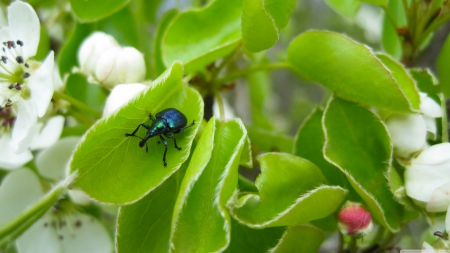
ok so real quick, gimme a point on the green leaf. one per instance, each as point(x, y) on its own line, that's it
point(245, 239)
point(246, 156)
point(280, 11)
point(443, 61)
point(390, 40)
point(218, 34)
point(426, 83)
point(358, 143)
point(258, 28)
point(302, 237)
point(112, 168)
point(68, 55)
point(160, 30)
point(200, 221)
point(145, 225)
point(376, 2)
point(291, 191)
point(403, 79)
point(269, 140)
point(91, 11)
point(347, 8)
point(309, 143)
point(262, 20)
point(348, 68)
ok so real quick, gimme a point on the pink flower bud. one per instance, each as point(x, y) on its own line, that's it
point(354, 220)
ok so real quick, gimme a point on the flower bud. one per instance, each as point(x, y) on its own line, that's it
point(408, 133)
point(120, 65)
point(92, 48)
point(354, 220)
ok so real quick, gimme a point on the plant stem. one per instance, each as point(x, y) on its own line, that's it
point(390, 16)
point(220, 104)
point(245, 184)
point(248, 71)
point(24, 220)
point(225, 62)
point(352, 246)
point(77, 103)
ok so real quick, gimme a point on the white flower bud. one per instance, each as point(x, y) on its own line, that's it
point(120, 95)
point(120, 65)
point(427, 173)
point(430, 110)
point(92, 48)
point(408, 133)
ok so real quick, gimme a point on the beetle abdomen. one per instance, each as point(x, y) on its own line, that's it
point(174, 118)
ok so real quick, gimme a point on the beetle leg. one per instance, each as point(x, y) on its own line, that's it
point(152, 117)
point(165, 151)
point(193, 123)
point(137, 128)
point(174, 140)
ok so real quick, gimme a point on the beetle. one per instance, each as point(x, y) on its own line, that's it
point(165, 123)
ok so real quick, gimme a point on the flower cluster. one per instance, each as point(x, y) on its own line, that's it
point(107, 63)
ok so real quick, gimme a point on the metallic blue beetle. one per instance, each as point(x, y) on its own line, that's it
point(166, 122)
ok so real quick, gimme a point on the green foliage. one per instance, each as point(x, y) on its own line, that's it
point(328, 60)
point(365, 158)
point(347, 8)
point(91, 11)
point(288, 200)
point(196, 48)
point(125, 173)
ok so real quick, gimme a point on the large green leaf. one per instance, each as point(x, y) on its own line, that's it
point(217, 33)
point(200, 221)
point(347, 8)
point(269, 140)
point(350, 69)
point(302, 238)
point(260, 90)
point(91, 11)
point(258, 28)
point(358, 143)
point(376, 2)
point(112, 168)
point(145, 225)
point(291, 191)
point(262, 20)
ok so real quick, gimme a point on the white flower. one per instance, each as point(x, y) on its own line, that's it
point(409, 131)
point(62, 229)
point(121, 95)
point(26, 87)
point(92, 48)
point(109, 64)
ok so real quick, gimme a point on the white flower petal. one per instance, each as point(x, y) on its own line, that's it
point(430, 170)
point(25, 126)
point(121, 95)
point(408, 133)
point(24, 25)
point(39, 238)
point(52, 162)
point(89, 236)
point(49, 134)
point(440, 199)
point(429, 107)
point(79, 197)
point(92, 48)
point(131, 66)
point(105, 71)
point(19, 189)
point(427, 247)
point(430, 123)
point(41, 85)
point(10, 160)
